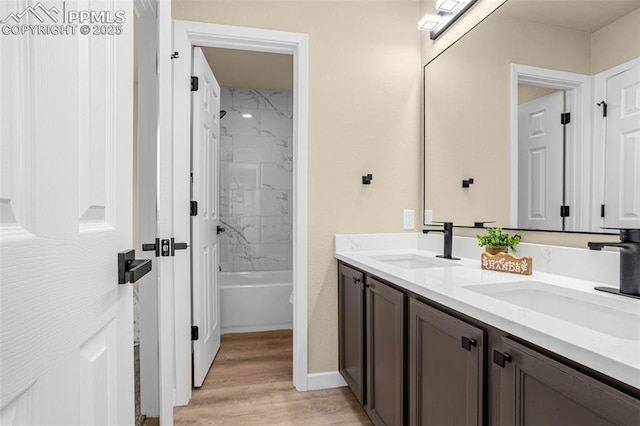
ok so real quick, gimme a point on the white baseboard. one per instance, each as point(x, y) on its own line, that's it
point(332, 379)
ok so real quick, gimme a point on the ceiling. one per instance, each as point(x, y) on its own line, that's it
point(581, 15)
point(251, 70)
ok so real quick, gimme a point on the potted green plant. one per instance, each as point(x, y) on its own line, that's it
point(497, 242)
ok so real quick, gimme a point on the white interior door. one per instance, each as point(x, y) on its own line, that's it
point(540, 162)
point(622, 151)
point(66, 325)
point(204, 239)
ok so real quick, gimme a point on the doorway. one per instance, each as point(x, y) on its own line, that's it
point(255, 175)
point(188, 35)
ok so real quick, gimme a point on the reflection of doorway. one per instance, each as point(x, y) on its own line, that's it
point(541, 142)
point(577, 89)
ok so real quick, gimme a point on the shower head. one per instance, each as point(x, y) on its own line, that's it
point(222, 113)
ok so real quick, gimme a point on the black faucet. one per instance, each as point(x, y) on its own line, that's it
point(629, 262)
point(447, 231)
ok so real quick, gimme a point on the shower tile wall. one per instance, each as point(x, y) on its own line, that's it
point(256, 180)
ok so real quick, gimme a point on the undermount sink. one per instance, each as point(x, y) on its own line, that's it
point(615, 317)
point(414, 261)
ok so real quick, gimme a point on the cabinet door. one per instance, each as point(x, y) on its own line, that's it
point(385, 353)
point(446, 358)
point(536, 390)
point(351, 328)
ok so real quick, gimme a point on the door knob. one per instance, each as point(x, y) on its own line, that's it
point(177, 246)
point(152, 247)
point(131, 269)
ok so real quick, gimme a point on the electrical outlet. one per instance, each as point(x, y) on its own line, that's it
point(408, 219)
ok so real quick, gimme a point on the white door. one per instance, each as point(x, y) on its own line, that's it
point(66, 325)
point(204, 239)
point(622, 151)
point(540, 162)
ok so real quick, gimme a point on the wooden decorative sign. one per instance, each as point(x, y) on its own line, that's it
point(507, 262)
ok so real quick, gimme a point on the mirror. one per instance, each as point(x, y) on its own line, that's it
point(507, 81)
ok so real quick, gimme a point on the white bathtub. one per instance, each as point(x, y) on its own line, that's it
point(255, 301)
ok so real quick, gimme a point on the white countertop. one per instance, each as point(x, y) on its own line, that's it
point(616, 357)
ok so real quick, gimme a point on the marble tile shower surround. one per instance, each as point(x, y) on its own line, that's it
point(256, 176)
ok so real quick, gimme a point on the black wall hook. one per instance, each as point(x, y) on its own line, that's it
point(467, 182)
point(603, 104)
point(366, 180)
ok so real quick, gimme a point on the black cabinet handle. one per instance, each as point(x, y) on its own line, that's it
point(500, 359)
point(467, 343)
point(356, 280)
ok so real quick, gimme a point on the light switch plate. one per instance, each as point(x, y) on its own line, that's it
point(428, 216)
point(408, 219)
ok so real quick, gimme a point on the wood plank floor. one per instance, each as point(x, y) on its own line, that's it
point(250, 383)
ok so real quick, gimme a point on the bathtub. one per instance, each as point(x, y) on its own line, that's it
point(255, 301)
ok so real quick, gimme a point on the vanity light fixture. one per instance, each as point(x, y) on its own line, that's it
point(447, 5)
point(429, 22)
point(448, 12)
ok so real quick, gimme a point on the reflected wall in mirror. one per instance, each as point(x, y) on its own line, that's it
point(542, 59)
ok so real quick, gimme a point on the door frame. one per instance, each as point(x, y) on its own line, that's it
point(599, 136)
point(146, 195)
point(578, 89)
point(188, 34)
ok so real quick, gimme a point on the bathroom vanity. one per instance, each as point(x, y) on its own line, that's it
point(430, 341)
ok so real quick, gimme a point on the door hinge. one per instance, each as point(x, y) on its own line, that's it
point(603, 104)
point(194, 84)
point(601, 210)
point(194, 332)
point(565, 118)
point(564, 211)
point(194, 208)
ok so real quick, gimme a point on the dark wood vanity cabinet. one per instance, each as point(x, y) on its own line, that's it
point(536, 390)
point(385, 353)
point(351, 329)
point(414, 361)
point(446, 368)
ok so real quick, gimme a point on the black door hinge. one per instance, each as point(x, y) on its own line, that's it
point(564, 211)
point(194, 208)
point(194, 332)
point(565, 118)
point(601, 210)
point(603, 104)
point(194, 84)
